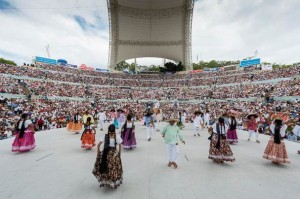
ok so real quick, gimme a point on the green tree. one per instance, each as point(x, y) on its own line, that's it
point(122, 66)
point(5, 61)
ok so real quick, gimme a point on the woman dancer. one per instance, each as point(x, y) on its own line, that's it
point(75, 124)
point(128, 134)
point(108, 166)
point(275, 150)
point(24, 140)
point(88, 140)
point(220, 150)
point(231, 133)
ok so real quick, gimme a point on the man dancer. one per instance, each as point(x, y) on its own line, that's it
point(206, 118)
point(172, 134)
point(149, 121)
point(252, 126)
point(198, 121)
point(101, 117)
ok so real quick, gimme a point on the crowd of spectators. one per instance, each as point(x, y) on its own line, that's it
point(60, 73)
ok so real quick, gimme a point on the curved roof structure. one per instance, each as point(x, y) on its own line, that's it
point(150, 28)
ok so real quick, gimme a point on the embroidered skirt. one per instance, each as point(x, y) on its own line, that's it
point(88, 139)
point(232, 136)
point(128, 137)
point(74, 127)
point(276, 152)
point(224, 153)
point(26, 143)
point(114, 176)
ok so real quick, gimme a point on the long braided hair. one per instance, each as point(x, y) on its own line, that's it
point(277, 136)
point(22, 130)
point(103, 165)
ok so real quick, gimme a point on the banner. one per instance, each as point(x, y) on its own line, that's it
point(266, 67)
point(250, 62)
point(45, 60)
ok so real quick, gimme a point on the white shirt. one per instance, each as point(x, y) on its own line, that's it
point(206, 117)
point(197, 121)
point(112, 140)
point(296, 130)
point(27, 123)
point(282, 129)
point(101, 116)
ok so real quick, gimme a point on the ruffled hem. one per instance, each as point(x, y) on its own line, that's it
point(233, 140)
point(22, 148)
point(276, 159)
point(129, 147)
point(87, 146)
point(221, 157)
point(110, 183)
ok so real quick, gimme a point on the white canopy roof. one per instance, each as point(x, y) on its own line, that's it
point(150, 28)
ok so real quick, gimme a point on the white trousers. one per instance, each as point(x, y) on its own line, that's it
point(251, 132)
point(197, 129)
point(121, 125)
point(101, 124)
point(149, 131)
point(172, 152)
point(158, 125)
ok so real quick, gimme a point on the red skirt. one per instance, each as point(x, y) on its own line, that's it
point(88, 139)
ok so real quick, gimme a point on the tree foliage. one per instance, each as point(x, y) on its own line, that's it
point(5, 61)
point(213, 64)
point(172, 67)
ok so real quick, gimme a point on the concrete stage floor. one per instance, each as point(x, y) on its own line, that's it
point(58, 168)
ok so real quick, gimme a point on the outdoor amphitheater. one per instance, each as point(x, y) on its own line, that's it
point(178, 129)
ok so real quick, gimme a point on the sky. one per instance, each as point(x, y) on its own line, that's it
point(78, 30)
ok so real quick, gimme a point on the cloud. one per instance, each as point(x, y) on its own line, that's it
point(78, 30)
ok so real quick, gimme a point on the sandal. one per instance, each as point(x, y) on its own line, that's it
point(175, 165)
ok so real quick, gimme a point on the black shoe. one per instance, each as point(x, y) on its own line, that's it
point(198, 134)
point(149, 139)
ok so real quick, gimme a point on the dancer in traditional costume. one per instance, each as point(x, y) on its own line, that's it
point(85, 116)
point(128, 134)
point(296, 131)
point(108, 166)
point(172, 134)
point(275, 150)
point(24, 140)
point(88, 138)
point(121, 118)
point(158, 116)
point(220, 150)
point(206, 118)
point(75, 124)
point(180, 123)
point(101, 117)
point(198, 121)
point(231, 133)
point(252, 126)
point(149, 121)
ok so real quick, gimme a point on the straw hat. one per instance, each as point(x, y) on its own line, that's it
point(252, 114)
point(172, 120)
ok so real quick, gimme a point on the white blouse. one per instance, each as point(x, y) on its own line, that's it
point(27, 123)
point(129, 125)
point(282, 129)
point(222, 131)
point(112, 140)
